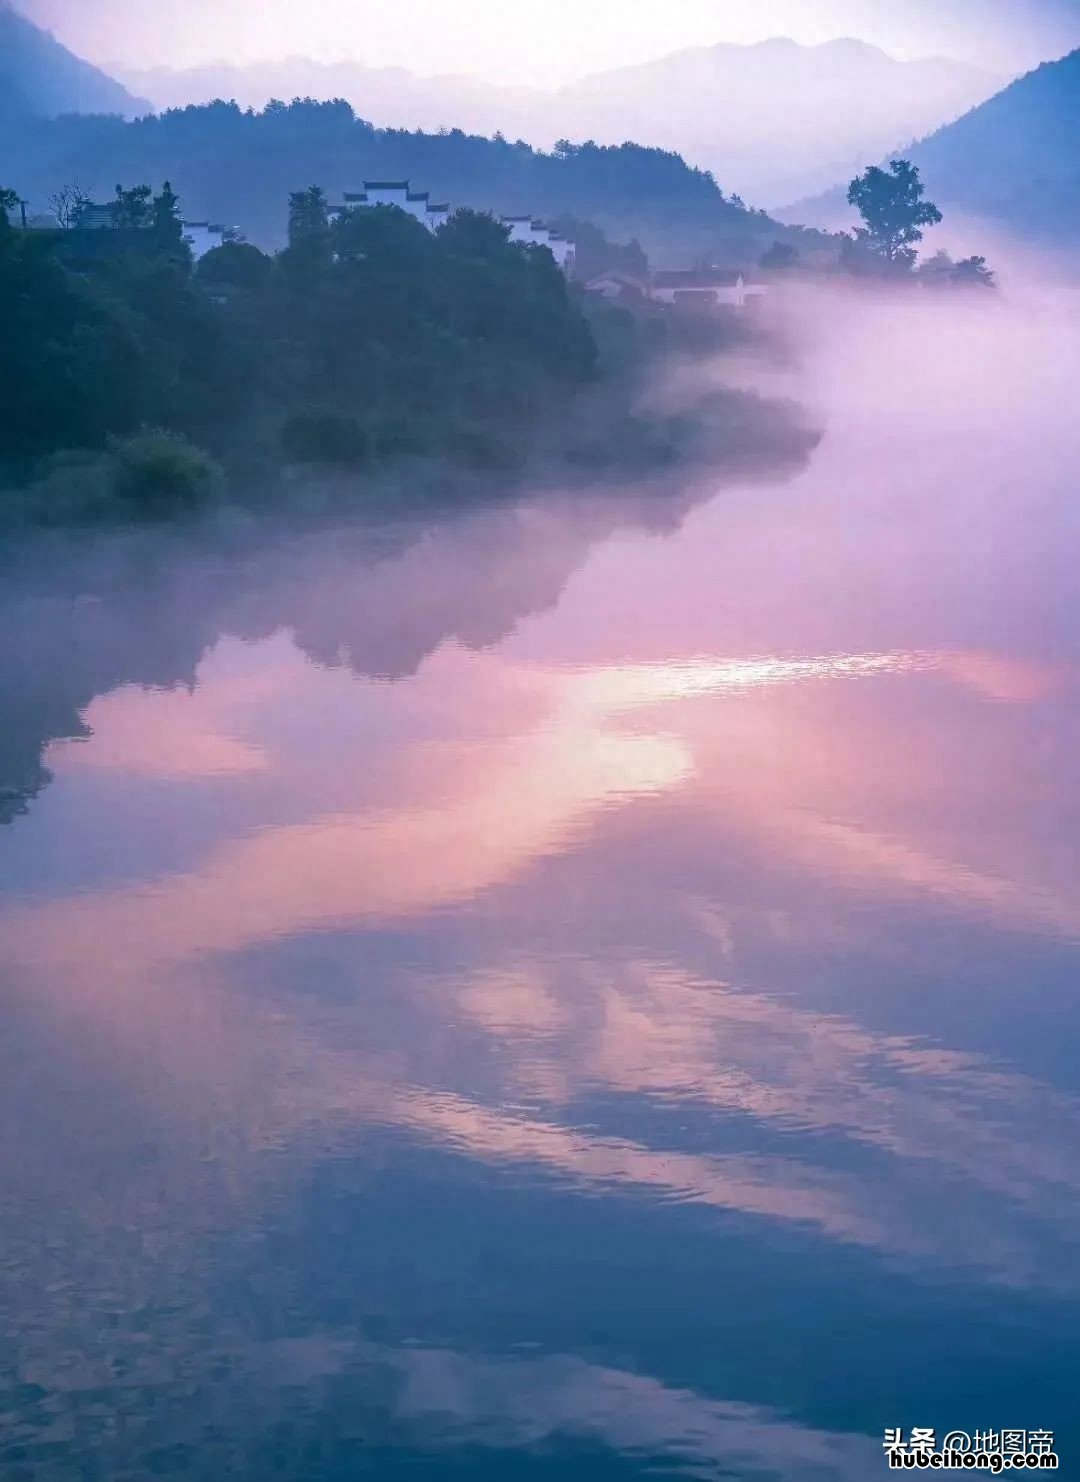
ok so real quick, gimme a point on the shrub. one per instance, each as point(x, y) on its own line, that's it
point(158, 472)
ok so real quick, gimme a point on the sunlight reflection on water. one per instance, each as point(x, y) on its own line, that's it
point(511, 1005)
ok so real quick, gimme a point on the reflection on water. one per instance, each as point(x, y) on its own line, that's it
point(542, 993)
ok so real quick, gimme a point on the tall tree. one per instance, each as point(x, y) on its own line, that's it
point(68, 203)
point(894, 211)
point(309, 220)
point(167, 224)
point(132, 208)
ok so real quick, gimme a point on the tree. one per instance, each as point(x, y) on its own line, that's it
point(972, 272)
point(9, 201)
point(132, 208)
point(234, 267)
point(68, 203)
point(309, 218)
point(940, 271)
point(167, 224)
point(894, 211)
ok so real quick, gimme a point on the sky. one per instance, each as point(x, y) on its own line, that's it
point(543, 42)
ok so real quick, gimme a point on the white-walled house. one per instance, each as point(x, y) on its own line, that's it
point(433, 214)
point(202, 237)
point(706, 287)
point(417, 204)
point(528, 231)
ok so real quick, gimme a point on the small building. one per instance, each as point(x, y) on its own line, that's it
point(94, 217)
point(615, 286)
point(527, 231)
point(203, 236)
point(434, 214)
point(416, 204)
point(704, 288)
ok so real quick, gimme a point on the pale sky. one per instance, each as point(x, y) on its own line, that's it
point(542, 41)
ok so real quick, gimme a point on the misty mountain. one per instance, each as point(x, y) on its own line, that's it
point(39, 77)
point(239, 167)
point(771, 121)
point(1014, 161)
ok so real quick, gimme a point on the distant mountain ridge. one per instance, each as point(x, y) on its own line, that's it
point(1014, 161)
point(239, 167)
point(771, 121)
point(40, 78)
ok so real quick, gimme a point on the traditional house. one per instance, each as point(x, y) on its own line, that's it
point(705, 288)
point(202, 237)
point(615, 285)
point(416, 204)
point(93, 217)
point(533, 233)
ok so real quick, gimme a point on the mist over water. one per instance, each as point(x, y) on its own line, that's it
point(580, 987)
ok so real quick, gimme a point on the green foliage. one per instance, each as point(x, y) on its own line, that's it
point(940, 271)
point(309, 228)
point(234, 268)
point(367, 338)
point(157, 473)
point(239, 165)
point(892, 205)
point(166, 221)
point(972, 272)
point(133, 208)
point(149, 476)
point(74, 367)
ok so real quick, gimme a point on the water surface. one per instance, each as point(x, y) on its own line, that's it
point(579, 989)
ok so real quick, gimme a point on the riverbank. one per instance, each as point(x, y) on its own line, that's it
point(368, 354)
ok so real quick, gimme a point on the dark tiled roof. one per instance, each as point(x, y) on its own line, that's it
point(418, 195)
point(355, 198)
point(442, 206)
point(92, 216)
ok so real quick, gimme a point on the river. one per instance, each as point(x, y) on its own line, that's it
point(582, 988)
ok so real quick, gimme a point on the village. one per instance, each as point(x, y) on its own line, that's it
point(702, 287)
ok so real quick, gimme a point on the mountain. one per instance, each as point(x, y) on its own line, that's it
point(771, 121)
point(39, 77)
point(1013, 162)
point(391, 96)
point(772, 118)
point(1016, 159)
point(239, 167)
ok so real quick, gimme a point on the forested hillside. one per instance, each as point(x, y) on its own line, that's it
point(238, 167)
